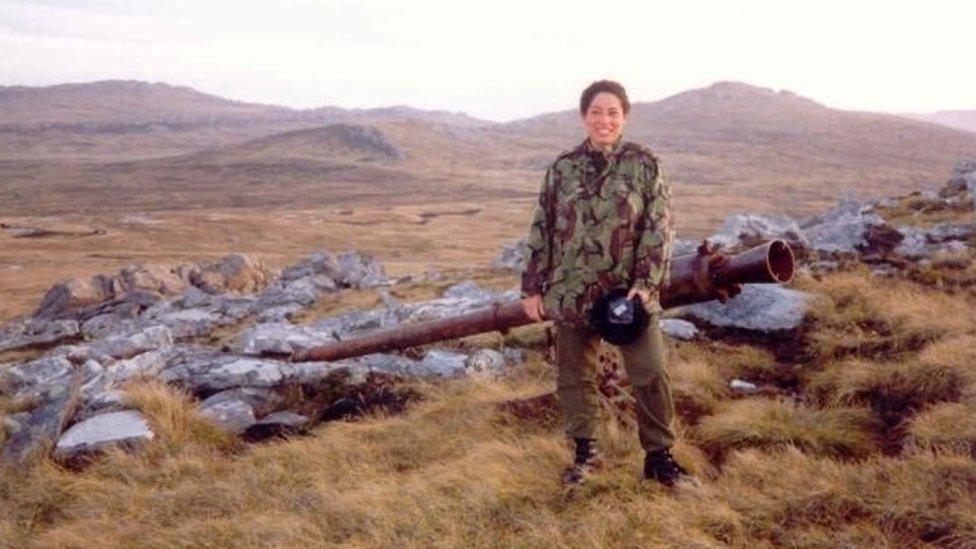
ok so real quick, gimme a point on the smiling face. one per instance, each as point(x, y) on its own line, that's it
point(604, 120)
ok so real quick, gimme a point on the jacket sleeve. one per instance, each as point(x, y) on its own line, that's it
point(652, 253)
point(538, 248)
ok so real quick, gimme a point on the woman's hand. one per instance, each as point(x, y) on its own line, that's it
point(645, 296)
point(532, 306)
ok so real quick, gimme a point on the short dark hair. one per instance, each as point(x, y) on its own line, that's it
point(601, 86)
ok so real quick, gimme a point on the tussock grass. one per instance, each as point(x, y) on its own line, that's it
point(697, 388)
point(942, 371)
point(863, 316)
point(790, 498)
point(738, 361)
point(174, 418)
point(950, 426)
point(763, 423)
point(454, 471)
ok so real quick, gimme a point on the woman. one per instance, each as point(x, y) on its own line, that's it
point(603, 222)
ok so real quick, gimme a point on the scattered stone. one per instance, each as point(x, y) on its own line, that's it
point(238, 372)
point(282, 338)
point(147, 364)
point(359, 271)
point(683, 246)
point(678, 329)
point(36, 375)
point(68, 295)
point(29, 333)
point(485, 363)
point(744, 231)
point(743, 386)
point(511, 257)
point(444, 363)
point(258, 398)
point(46, 421)
point(278, 424)
point(230, 414)
point(130, 345)
point(236, 273)
point(760, 307)
point(101, 402)
point(850, 229)
point(126, 428)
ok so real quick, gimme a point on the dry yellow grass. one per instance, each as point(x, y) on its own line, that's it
point(950, 426)
point(864, 316)
point(454, 471)
point(697, 387)
point(839, 432)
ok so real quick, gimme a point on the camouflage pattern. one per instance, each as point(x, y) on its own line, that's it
point(603, 221)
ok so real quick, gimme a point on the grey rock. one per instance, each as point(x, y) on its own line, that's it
point(513, 356)
point(748, 230)
point(107, 324)
point(277, 424)
point(35, 374)
point(280, 313)
point(445, 364)
point(849, 229)
point(360, 270)
point(130, 345)
point(683, 246)
point(46, 421)
point(511, 257)
point(485, 363)
point(194, 298)
point(124, 428)
point(190, 322)
point(284, 417)
point(101, 402)
point(37, 332)
point(318, 263)
point(232, 415)
point(281, 338)
point(256, 397)
point(14, 423)
point(147, 364)
point(918, 243)
point(743, 386)
point(678, 329)
point(232, 308)
point(237, 372)
point(303, 292)
point(344, 325)
point(311, 372)
point(459, 299)
point(760, 307)
point(383, 363)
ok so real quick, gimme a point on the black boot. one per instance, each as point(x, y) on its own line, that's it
point(662, 467)
point(586, 460)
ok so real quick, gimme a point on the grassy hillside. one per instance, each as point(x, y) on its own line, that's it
point(862, 436)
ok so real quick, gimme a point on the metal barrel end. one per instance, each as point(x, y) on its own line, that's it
point(780, 261)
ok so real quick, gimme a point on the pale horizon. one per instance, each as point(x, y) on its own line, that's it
point(504, 62)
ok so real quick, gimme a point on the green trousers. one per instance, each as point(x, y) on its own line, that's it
point(577, 361)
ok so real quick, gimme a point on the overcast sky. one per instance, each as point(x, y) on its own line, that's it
point(500, 59)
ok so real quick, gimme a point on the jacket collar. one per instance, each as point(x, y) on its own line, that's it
point(587, 148)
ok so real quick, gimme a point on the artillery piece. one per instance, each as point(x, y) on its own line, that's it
point(703, 276)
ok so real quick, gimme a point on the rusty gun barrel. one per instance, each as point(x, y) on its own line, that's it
point(694, 278)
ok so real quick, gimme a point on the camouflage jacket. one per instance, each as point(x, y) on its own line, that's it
point(603, 221)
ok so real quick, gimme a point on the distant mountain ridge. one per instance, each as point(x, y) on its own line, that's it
point(961, 120)
point(728, 145)
point(119, 104)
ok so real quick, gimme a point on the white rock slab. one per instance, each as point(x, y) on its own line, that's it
point(127, 427)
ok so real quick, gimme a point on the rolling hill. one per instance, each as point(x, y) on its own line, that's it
point(728, 147)
point(960, 120)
